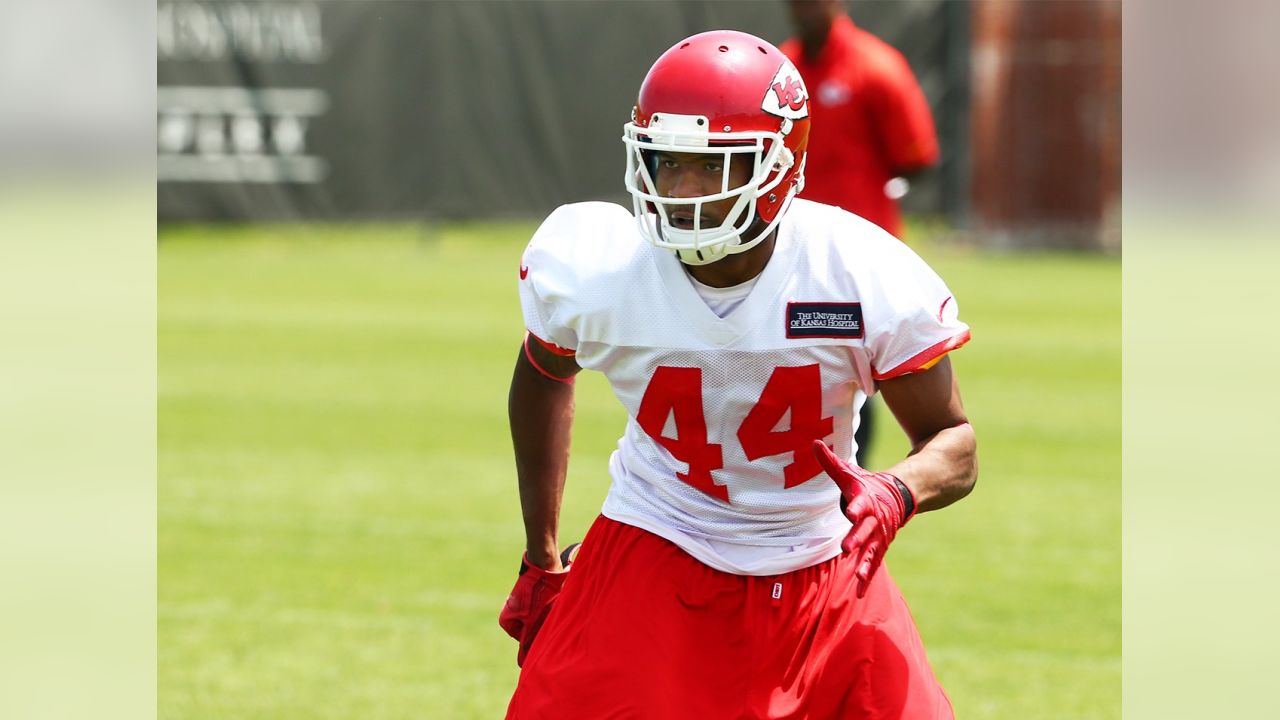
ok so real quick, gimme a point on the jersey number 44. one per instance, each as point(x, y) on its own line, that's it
point(678, 391)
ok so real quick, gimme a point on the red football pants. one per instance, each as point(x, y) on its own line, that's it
point(643, 631)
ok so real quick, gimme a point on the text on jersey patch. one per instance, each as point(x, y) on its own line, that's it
point(824, 320)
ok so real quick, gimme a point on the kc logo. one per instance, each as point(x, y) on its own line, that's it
point(792, 95)
point(786, 96)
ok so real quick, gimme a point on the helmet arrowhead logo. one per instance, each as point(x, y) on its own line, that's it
point(792, 95)
point(786, 96)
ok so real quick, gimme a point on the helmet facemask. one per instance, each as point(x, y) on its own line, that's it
point(668, 132)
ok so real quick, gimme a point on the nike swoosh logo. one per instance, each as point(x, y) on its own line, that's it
point(524, 272)
point(940, 307)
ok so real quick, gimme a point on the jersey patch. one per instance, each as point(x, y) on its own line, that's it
point(824, 320)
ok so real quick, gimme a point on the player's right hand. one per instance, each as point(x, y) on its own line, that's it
point(530, 601)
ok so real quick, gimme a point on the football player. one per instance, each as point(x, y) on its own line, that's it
point(736, 567)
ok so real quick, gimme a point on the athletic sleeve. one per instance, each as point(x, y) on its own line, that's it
point(913, 318)
point(547, 283)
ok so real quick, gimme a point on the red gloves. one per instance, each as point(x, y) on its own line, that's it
point(876, 503)
point(530, 601)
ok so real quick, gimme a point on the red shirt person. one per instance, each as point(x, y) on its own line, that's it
point(871, 122)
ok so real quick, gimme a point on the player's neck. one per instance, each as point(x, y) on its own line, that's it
point(812, 48)
point(735, 269)
point(812, 44)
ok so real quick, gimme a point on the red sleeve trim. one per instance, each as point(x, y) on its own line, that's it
point(553, 348)
point(924, 356)
point(539, 368)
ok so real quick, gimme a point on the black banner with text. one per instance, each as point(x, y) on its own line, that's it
point(363, 109)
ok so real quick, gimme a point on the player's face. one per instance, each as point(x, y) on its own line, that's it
point(691, 175)
point(812, 18)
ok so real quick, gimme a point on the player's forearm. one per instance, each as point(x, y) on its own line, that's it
point(941, 469)
point(541, 415)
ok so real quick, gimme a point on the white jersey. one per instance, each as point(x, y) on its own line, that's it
point(716, 456)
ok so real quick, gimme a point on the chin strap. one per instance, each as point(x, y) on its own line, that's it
point(706, 256)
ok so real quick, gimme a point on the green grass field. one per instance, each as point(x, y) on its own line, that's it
point(338, 521)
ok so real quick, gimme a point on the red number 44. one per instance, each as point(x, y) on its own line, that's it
point(676, 391)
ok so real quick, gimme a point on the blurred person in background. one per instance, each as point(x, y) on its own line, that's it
point(872, 129)
point(735, 569)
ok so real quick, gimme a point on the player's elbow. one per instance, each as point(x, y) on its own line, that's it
point(968, 461)
point(970, 480)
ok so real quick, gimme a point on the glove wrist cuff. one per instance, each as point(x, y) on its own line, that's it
point(567, 556)
point(908, 498)
point(526, 566)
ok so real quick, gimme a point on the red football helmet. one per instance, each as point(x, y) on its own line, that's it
point(722, 93)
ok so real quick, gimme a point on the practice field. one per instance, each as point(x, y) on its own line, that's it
point(337, 509)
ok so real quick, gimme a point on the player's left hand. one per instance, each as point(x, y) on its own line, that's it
point(875, 506)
